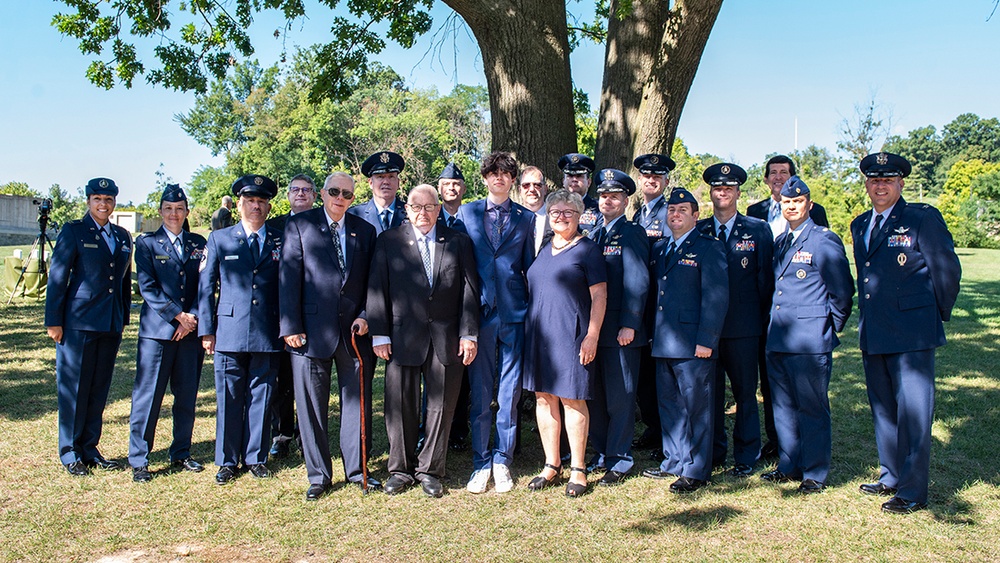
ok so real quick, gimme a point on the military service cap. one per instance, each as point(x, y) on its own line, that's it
point(794, 187)
point(725, 174)
point(612, 181)
point(680, 195)
point(451, 172)
point(172, 193)
point(101, 186)
point(255, 185)
point(382, 162)
point(654, 163)
point(884, 165)
point(575, 163)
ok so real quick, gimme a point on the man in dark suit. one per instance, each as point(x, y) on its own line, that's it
point(223, 217)
point(689, 305)
point(324, 285)
point(423, 313)
point(301, 198)
point(812, 301)
point(502, 233)
point(238, 322)
point(623, 333)
point(652, 217)
point(749, 250)
point(168, 350)
point(576, 169)
point(777, 171)
point(86, 308)
point(385, 209)
point(908, 281)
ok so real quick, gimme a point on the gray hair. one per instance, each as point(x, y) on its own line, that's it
point(565, 196)
point(305, 178)
point(338, 174)
point(426, 188)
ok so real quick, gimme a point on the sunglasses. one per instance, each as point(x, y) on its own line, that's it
point(337, 192)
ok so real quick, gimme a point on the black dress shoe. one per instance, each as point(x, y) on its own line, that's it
point(260, 471)
point(769, 451)
point(314, 492)
point(740, 471)
point(877, 489)
point(77, 469)
point(373, 484)
point(189, 464)
point(225, 475)
point(686, 485)
point(279, 450)
point(394, 485)
point(141, 474)
point(656, 473)
point(775, 476)
point(431, 486)
point(810, 486)
point(612, 478)
point(105, 464)
point(897, 505)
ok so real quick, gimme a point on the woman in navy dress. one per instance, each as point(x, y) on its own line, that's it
point(567, 285)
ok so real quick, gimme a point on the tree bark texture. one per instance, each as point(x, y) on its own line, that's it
point(525, 49)
point(631, 124)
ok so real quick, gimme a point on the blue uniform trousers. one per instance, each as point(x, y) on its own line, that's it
point(85, 361)
point(612, 410)
point(901, 394)
point(497, 366)
point(244, 383)
point(160, 362)
point(738, 360)
point(799, 385)
point(685, 395)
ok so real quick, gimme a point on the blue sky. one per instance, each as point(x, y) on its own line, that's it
point(767, 63)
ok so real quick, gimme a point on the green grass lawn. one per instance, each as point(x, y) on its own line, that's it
point(45, 514)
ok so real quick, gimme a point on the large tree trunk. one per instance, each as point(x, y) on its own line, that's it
point(635, 124)
point(525, 49)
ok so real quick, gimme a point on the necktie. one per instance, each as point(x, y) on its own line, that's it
point(451, 221)
point(338, 249)
point(425, 254)
point(670, 250)
point(603, 237)
point(384, 219)
point(784, 245)
point(179, 247)
point(254, 247)
point(875, 229)
point(108, 239)
point(645, 212)
point(499, 218)
point(774, 212)
point(722, 233)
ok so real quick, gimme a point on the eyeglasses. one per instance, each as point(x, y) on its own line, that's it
point(532, 185)
point(429, 208)
point(335, 192)
point(300, 190)
point(564, 213)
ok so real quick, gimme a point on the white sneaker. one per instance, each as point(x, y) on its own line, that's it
point(479, 481)
point(502, 480)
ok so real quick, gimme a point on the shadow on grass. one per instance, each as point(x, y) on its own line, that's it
point(699, 519)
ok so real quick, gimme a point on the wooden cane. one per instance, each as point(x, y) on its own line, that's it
point(364, 431)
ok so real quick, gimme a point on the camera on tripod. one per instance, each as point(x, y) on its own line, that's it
point(44, 207)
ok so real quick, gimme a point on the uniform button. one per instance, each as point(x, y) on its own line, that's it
point(182, 299)
point(255, 286)
point(255, 272)
point(431, 298)
point(111, 265)
point(111, 290)
point(776, 307)
point(182, 286)
point(429, 320)
point(781, 278)
point(866, 280)
point(868, 296)
point(112, 278)
point(660, 307)
point(182, 274)
point(254, 301)
point(661, 293)
point(867, 264)
point(779, 292)
point(664, 277)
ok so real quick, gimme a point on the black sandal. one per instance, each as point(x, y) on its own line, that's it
point(539, 483)
point(576, 490)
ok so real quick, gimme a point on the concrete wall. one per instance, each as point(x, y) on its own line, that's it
point(18, 215)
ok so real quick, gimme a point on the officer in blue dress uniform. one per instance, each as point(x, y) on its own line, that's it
point(86, 308)
point(623, 333)
point(811, 304)
point(385, 209)
point(238, 322)
point(169, 350)
point(688, 306)
point(652, 217)
point(908, 281)
point(749, 250)
point(576, 169)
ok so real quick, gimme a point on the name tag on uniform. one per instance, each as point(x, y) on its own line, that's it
point(88, 245)
point(612, 251)
point(746, 246)
point(162, 257)
point(801, 257)
point(900, 240)
point(231, 257)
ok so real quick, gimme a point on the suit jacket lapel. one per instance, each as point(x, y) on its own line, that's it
point(439, 245)
point(514, 217)
point(889, 223)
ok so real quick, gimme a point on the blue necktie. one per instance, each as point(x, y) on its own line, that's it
point(254, 247)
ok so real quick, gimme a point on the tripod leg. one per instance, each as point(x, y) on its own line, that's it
point(24, 268)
